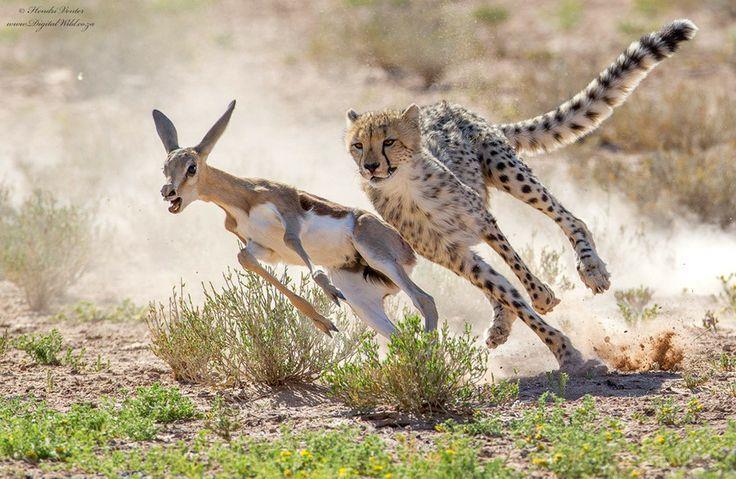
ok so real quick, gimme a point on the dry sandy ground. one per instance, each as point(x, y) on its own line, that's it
point(261, 413)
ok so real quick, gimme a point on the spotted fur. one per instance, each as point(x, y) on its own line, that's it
point(426, 170)
point(588, 109)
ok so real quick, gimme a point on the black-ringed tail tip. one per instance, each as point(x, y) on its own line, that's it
point(585, 111)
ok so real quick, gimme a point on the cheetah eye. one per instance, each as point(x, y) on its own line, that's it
point(388, 142)
point(358, 146)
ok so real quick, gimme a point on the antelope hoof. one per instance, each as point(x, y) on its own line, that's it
point(324, 282)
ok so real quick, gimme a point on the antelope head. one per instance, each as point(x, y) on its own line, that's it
point(184, 168)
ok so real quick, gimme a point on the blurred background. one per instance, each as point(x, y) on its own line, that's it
point(656, 183)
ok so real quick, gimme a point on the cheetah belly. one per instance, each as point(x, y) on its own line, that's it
point(327, 240)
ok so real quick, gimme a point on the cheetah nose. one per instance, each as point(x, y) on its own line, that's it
point(372, 167)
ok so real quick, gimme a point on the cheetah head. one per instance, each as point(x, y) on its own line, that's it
point(381, 142)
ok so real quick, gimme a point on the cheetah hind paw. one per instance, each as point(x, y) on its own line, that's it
point(590, 368)
point(593, 273)
point(497, 335)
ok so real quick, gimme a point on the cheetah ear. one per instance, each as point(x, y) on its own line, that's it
point(350, 116)
point(411, 114)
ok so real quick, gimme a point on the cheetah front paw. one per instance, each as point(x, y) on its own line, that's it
point(593, 273)
point(543, 299)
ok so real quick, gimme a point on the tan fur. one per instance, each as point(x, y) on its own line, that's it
point(279, 223)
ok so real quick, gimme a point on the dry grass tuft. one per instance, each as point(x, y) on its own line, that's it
point(44, 246)
point(247, 332)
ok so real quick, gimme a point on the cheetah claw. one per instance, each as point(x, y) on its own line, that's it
point(589, 368)
point(593, 273)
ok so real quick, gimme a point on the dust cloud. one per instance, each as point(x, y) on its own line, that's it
point(83, 130)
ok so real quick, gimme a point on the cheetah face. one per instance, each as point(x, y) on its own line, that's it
point(381, 142)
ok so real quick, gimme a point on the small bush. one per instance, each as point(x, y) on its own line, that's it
point(421, 373)
point(728, 292)
point(548, 266)
point(44, 247)
point(160, 403)
point(87, 311)
point(415, 38)
point(248, 332)
point(43, 349)
point(222, 419)
point(502, 392)
point(665, 184)
point(683, 140)
point(632, 303)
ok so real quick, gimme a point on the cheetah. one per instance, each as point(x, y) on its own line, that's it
point(427, 171)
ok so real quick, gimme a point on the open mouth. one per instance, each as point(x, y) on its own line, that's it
point(377, 179)
point(175, 205)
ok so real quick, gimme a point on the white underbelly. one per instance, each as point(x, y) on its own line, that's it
point(327, 240)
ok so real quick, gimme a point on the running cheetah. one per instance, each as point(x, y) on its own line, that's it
point(426, 171)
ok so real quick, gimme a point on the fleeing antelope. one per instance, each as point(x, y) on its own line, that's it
point(365, 257)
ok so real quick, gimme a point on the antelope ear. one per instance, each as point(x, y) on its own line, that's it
point(208, 142)
point(166, 131)
point(350, 117)
point(411, 114)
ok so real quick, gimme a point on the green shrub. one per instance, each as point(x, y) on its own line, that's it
point(87, 311)
point(44, 247)
point(222, 419)
point(632, 304)
point(422, 372)
point(248, 332)
point(572, 444)
point(42, 348)
point(31, 431)
point(160, 403)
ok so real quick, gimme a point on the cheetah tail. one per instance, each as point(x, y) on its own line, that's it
point(585, 111)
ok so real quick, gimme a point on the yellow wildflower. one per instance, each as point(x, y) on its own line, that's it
point(539, 461)
point(388, 476)
point(557, 457)
point(635, 473)
point(305, 454)
point(451, 452)
point(285, 453)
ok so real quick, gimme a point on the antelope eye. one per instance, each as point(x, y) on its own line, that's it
point(358, 146)
point(388, 142)
point(192, 170)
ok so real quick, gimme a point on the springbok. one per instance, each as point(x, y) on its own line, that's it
point(366, 258)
